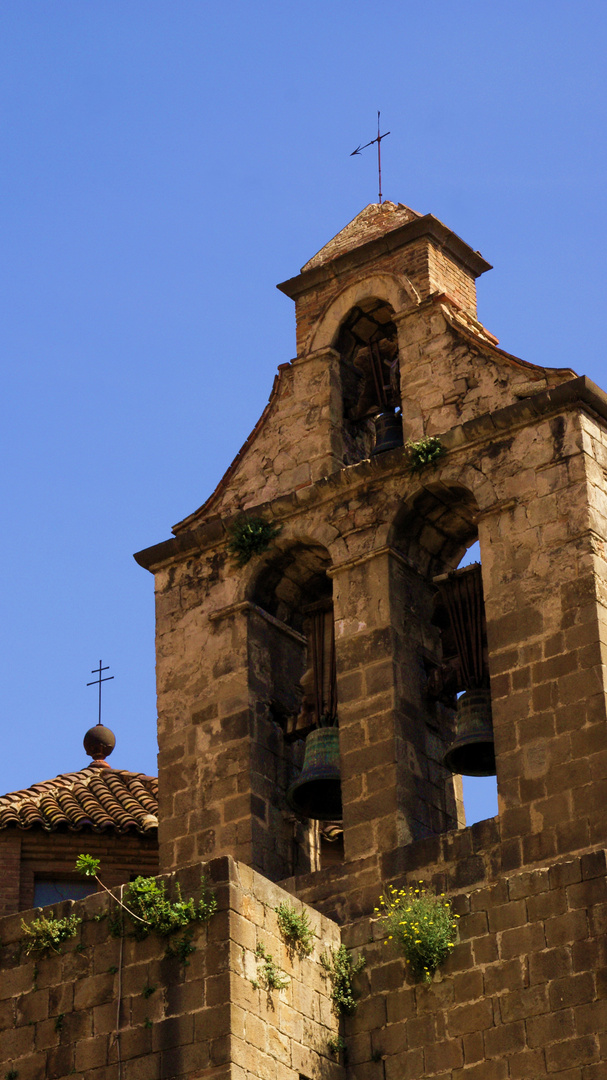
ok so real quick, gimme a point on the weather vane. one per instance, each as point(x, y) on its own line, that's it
point(378, 141)
point(99, 681)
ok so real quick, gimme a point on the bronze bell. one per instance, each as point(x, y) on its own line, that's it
point(472, 752)
point(317, 791)
point(388, 431)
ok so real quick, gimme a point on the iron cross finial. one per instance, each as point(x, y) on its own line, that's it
point(98, 671)
point(378, 141)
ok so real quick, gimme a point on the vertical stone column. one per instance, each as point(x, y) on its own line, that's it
point(204, 730)
point(314, 435)
point(394, 788)
point(224, 771)
point(544, 583)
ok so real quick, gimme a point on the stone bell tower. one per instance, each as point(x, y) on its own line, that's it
point(338, 612)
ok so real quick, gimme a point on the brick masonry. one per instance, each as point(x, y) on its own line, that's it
point(27, 854)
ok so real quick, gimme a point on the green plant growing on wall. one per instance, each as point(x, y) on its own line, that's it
point(341, 969)
point(250, 536)
point(45, 934)
point(337, 1046)
point(269, 975)
point(295, 929)
point(149, 903)
point(424, 452)
point(423, 926)
point(153, 911)
point(88, 866)
point(182, 947)
point(12, 1074)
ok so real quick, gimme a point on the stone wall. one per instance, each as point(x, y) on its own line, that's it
point(474, 376)
point(59, 1013)
point(528, 482)
point(524, 993)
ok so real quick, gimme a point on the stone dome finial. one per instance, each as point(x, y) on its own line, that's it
point(99, 742)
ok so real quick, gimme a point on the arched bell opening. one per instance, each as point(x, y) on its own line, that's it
point(436, 528)
point(438, 532)
point(479, 792)
point(367, 343)
point(461, 681)
point(296, 688)
point(434, 531)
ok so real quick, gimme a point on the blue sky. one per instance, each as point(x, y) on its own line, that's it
point(166, 163)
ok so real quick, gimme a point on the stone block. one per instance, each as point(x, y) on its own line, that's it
point(524, 939)
point(421, 1030)
point(94, 990)
point(467, 986)
point(551, 964)
point(550, 1027)
point(528, 1065)
point(521, 1004)
point(444, 1055)
point(476, 1016)
point(91, 1053)
point(572, 926)
point(505, 1039)
point(175, 1031)
point(571, 1053)
point(591, 1018)
point(507, 916)
point(16, 1042)
point(572, 990)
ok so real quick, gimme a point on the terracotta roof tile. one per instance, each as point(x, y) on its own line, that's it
point(95, 799)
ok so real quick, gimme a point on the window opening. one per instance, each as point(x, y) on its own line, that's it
point(368, 346)
point(480, 792)
point(54, 890)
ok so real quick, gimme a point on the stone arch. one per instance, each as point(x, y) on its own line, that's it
point(396, 290)
point(366, 342)
point(435, 526)
point(290, 580)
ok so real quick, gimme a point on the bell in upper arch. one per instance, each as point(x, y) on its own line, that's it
point(472, 752)
point(388, 431)
point(317, 791)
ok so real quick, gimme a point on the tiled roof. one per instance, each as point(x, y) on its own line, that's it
point(95, 799)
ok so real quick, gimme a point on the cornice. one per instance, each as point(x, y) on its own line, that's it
point(426, 226)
